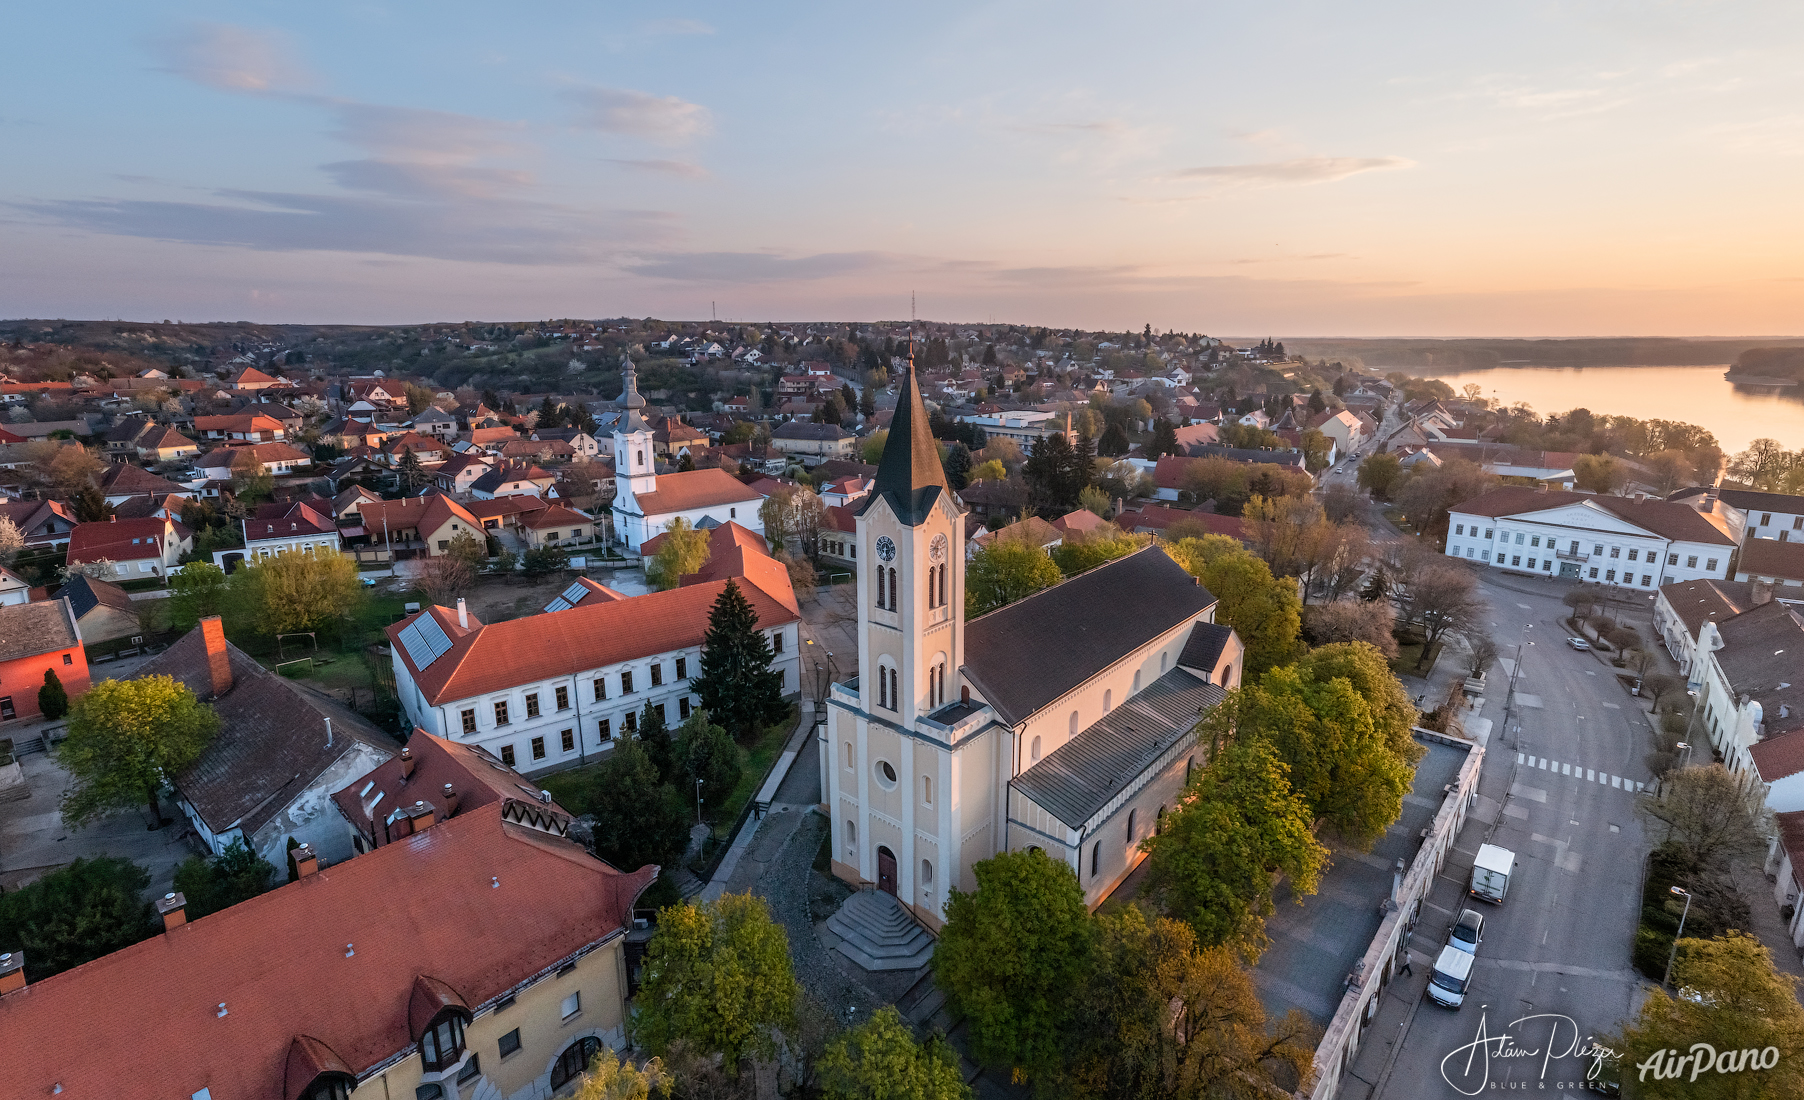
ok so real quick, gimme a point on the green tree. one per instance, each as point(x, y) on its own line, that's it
point(197, 589)
point(1733, 1004)
point(867, 402)
point(987, 470)
point(1599, 473)
point(717, 977)
point(1378, 473)
point(873, 446)
point(1159, 1016)
point(234, 875)
point(125, 738)
point(77, 914)
point(1317, 403)
point(1164, 441)
point(53, 700)
point(958, 466)
point(1114, 441)
point(1238, 826)
point(683, 551)
point(90, 506)
point(1081, 552)
point(1010, 955)
point(1095, 501)
point(1008, 569)
point(413, 475)
point(655, 739)
point(1056, 472)
point(1265, 611)
point(737, 685)
point(880, 1060)
point(542, 561)
point(295, 592)
point(708, 762)
point(1315, 451)
point(639, 819)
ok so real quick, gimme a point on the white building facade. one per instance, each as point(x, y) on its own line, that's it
point(646, 502)
point(1602, 540)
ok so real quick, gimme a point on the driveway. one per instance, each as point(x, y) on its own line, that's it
point(35, 841)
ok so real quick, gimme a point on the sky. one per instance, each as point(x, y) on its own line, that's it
point(1572, 168)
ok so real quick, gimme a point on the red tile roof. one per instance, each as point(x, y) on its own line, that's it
point(112, 540)
point(424, 514)
point(279, 963)
point(1080, 522)
point(475, 775)
point(260, 452)
point(275, 521)
point(555, 516)
point(238, 422)
point(1668, 519)
point(694, 489)
point(502, 655)
point(1780, 756)
point(251, 374)
point(1772, 558)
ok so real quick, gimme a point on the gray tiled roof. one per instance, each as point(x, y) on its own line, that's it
point(1083, 775)
point(1204, 646)
point(271, 744)
point(1023, 656)
point(28, 629)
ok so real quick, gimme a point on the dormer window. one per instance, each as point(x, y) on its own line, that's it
point(328, 1087)
point(443, 1043)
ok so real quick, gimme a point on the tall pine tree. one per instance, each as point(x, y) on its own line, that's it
point(413, 475)
point(654, 737)
point(737, 685)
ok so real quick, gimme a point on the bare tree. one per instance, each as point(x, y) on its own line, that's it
point(1443, 599)
point(1707, 814)
point(445, 577)
point(1351, 621)
point(1660, 685)
point(1481, 653)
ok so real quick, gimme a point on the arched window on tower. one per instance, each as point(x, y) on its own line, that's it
point(879, 586)
point(895, 695)
point(942, 585)
point(893, 605)
point(1108, 700)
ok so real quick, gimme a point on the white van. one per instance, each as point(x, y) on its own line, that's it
point(1451, 975)
point(1491, 872)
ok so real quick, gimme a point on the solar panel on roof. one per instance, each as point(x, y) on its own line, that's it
point(575, 592)
point(558, 604)
point(425, 641)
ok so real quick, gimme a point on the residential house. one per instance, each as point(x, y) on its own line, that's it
point(1785, 866)
point(491, 437)
point(1551, 468)
point(280, 752)
point(504, 513)
point(1340, 426)
point(1080, 523)
point(1682, 608)
point(14, 589)
point(121, 481)
point(813, 443)
point(426, 523)
point(160, 444)
point(1024, 426)
point(551, 689)
point(512, 479)
point(250, 378)
point(429, 450)
point(485, 959)
point(1158, 519)
point(103, 611)
point(298, 527)
point(36, 638)
point(1192, 436)
point(1748, 682)
point(46, 524)
point(1639, 542)
point(842, 491)
point(987, 497)
point(139, 549)
point(459, 472)
point(240, 428)
point(582, 444)
point(556, 525)
point(1763, 515)
point(435, 422)
point(537, 450)
point(1031, 530)
point(277, 459)
point(671, 437)
point(1778, 562)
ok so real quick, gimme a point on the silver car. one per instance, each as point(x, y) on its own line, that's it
point(1468, 931)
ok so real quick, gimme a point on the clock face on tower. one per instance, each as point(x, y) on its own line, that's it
point(937, 551)
point(886, 549)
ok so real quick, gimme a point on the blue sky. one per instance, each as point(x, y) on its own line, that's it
point(1575, 168)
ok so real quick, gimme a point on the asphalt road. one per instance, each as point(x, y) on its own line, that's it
point(1553, 968)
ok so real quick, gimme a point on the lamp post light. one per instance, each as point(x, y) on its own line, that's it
point(1687, 748)
point(698, 800)
point(1681, 934)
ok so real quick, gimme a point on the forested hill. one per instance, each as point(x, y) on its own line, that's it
point(1773, 362)
point(1449, 355)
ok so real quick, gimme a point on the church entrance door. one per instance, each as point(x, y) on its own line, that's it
point(886, 871)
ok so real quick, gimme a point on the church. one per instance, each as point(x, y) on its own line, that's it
point(1063, 721)
point(647, 501)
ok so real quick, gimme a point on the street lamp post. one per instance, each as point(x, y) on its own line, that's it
point(1687, 747)
point(1681, 935)
point(698, 800)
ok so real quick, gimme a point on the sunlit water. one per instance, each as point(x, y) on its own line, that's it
point(1696, 395)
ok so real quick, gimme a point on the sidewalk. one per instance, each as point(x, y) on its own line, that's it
point(748, 830)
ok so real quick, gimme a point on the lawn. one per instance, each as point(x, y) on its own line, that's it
point(1409, 654)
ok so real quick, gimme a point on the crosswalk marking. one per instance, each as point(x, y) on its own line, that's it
point(1589, 775)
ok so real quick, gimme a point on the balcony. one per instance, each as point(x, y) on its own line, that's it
point(1571, 556)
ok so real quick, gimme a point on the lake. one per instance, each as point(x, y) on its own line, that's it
point(1695, 395)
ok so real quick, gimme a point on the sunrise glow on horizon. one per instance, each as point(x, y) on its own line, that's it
point(1400, 169)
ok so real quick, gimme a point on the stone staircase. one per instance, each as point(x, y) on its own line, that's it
point(878, 934)
point(688, 886)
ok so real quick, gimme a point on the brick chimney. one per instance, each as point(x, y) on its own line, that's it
point(406, 763)
point(219, 662)
point(305, 861)
point(450, 801)
point(420, 816)
point(173, 908)
point(463, 614)
point(12, 972)
point(1760, 592)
